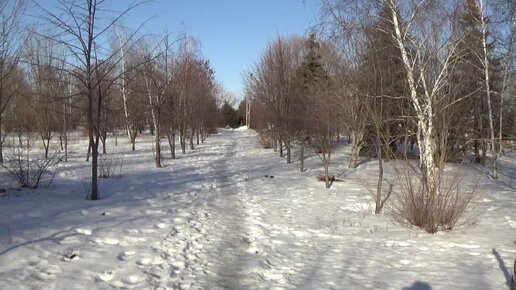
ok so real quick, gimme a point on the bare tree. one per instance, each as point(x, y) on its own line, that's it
point(11, 37)
point(130, 85)
point(46, 64)
point(272, 82)
point(486, 69)
point(424, 80)
point(79, 30)
point(158, 79)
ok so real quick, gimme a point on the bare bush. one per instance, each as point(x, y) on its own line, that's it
point(28, 172)
point(110, 165)
point(432, 212)
point(267, 139)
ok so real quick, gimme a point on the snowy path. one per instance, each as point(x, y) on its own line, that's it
point(230, 215)
point(210, 250)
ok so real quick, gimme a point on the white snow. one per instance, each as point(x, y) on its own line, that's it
point(212, 220)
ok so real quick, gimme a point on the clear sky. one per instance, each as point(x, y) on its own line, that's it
point(232, 33)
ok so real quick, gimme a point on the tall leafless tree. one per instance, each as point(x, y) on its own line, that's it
point(80, 31)
point(11, 38)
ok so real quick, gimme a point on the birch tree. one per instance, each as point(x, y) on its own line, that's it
point(158, 79)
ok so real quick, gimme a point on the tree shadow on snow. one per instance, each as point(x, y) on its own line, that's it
point(418, 286)
point(504, 269)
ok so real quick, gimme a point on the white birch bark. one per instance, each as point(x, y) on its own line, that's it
point(423, 108)
point(122, 88)
point(485, 62)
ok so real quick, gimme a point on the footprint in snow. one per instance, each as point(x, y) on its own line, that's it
point(132, 231)
point(126, 255)
point(71, 255)
point(160, 225)
point(150, 261)
point(129, 240)
point(106, 241)
point(105, 276)
point(166, 220)
point(127, 282)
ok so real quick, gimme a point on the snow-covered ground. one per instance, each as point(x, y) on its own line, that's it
point(213, 220)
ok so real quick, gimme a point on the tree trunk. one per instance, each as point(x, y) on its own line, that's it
point(378, 199)
point(65, 137)
point(476, 151)
point(46, 144)
point(302, 157)
point(191, 140)
point(93, 146)
point(94, 171)
point(289, 156)
point(488, 88)
point(326, 165)
point(182, 141)
point(172, 145)
point(89, 153)
point(132, 138)
point(280, 141)
point(103, 140)
point(1, 141)
point(356, 146)
point(423, 108)
point(157, 144)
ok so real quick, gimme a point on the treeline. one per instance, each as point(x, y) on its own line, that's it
point(80, 67)
point(429, 80)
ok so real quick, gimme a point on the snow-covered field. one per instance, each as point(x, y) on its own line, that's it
point(213, 220)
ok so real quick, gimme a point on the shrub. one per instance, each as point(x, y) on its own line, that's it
point(28, 172)
point(267, 139)
point(432, 211)
point(110, 165)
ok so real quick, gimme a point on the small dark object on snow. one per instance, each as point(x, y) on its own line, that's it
point(70, 256)
point(103, 213)
point(269, 176)
point(332, 178)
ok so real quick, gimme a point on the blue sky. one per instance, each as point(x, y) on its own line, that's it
point(233, 33)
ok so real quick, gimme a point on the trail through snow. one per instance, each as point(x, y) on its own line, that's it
point(230, 215)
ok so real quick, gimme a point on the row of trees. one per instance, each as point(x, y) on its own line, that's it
point(437, 75)
point(84, 68)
